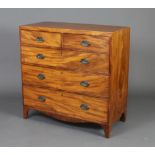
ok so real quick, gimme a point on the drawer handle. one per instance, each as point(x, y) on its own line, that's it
point(84, 61)
point(84, 83)
point(40, 56)
point(85, 43)
point(84, 106)
point(39, 39)
point(41, 98)
point(41, 76)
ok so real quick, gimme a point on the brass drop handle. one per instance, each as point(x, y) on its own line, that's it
point(40, 39)
point(84, 106)
point(40, 56)
point(84, 61)
point(85, 43)
point(41, 76)
point(84, 83)
point(41, 98)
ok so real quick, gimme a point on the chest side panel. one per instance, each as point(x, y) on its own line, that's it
point(119, 61)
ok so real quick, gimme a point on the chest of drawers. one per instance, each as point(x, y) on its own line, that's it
point(75, 72)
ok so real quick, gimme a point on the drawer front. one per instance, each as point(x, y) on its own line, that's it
point(86, 62)
point(41, 56)
point(41, 77)
point(69, 60)
point(87, 84)
point(40, 39)
point(86, 43)
point(66, 104)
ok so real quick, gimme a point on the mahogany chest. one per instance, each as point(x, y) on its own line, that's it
point(75, 72)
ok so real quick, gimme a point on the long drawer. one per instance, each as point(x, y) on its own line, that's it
point(70, 81)
point(66, 104)
point(86, 62)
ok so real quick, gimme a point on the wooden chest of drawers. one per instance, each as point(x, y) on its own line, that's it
point(75, 72)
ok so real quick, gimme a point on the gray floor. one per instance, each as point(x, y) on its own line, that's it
point(40, 130)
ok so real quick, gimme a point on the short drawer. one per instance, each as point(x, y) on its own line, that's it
point(86, 43)
point(68, 60)
point(94, 85)
point(69, 105)
point(40, 39)
point(41, 77)
point(70, 81)
point(86, 62)
point(41, 56)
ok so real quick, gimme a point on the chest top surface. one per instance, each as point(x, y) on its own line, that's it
point(72, 27)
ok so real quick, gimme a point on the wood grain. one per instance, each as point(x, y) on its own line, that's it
point(106, 72)
point(67, 60)
point(67, 104)
point(119, 61)
point(74, 28)
point(51, 40)
point(52, 57)
point(98, 44)
point(67, 80)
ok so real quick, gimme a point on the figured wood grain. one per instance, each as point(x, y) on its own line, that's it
point(119, 61)
point(52, 79)
point(52, 57)
point(51, 40)
point(107, 71)
point(74, 28)
point(67, 104)
point(67, 60)
point(98, 44)
point(98, 84)
point(67, 80)
point(98, 63)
